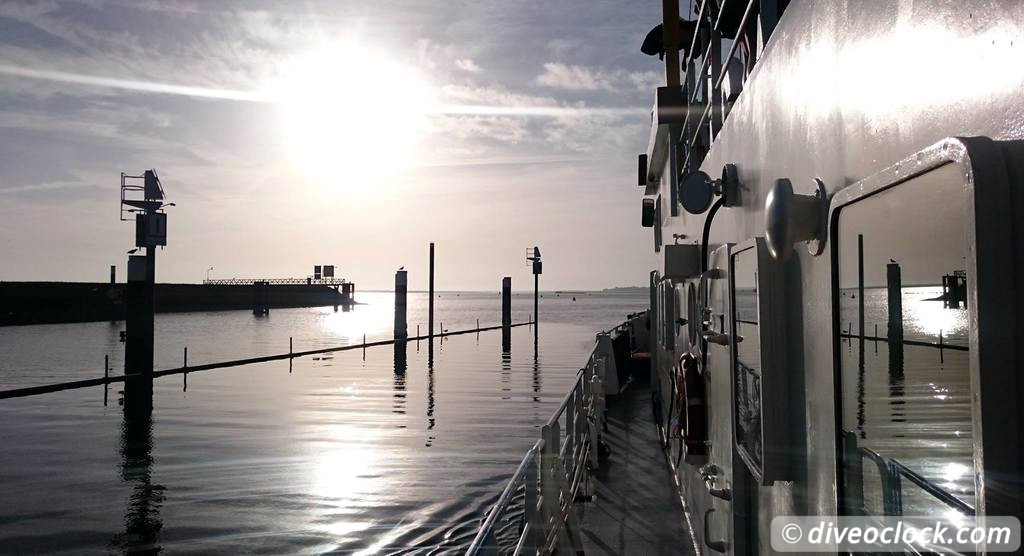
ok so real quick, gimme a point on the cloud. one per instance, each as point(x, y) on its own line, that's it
point(583, 78)
point(467, 64)
point(562, 76)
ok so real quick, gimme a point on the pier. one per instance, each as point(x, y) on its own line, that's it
point(62, 302)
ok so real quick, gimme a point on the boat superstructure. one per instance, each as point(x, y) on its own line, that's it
point(834, 191)
point(822, 174)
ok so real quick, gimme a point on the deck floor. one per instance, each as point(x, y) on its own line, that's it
point(635, 509)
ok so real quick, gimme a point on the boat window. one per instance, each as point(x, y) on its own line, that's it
point(747, 372)
point(762, 382)
point(905, 382)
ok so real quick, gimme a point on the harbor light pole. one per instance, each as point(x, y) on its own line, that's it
point(533, 255)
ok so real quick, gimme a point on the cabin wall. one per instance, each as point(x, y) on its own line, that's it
point(843, 90)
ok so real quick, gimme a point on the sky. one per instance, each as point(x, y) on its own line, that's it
point(352, 133)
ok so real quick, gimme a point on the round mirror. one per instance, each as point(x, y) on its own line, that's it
point(696, 192)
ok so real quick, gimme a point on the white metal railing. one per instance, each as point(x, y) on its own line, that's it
point(535, 514)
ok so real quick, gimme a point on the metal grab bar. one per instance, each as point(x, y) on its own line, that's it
point(891, 472)
point(899, 470)
point(552, 474)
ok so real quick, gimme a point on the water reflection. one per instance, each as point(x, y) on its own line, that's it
point(401, 364)
point(431, 422)
point(506, 371)
point(902, 285)
point(537, 382)
point(142, 523)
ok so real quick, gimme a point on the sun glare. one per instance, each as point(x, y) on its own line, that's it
point(352, 116)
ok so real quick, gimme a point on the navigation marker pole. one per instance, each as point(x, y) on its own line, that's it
point(150, 232)
point(533, 255)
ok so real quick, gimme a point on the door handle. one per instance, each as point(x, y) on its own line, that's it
point(712, 337)
point(717, 546)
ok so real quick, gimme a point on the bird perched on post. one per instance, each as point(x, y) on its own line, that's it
point(654, 42)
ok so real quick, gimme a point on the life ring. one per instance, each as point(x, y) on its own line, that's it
point(693, 406)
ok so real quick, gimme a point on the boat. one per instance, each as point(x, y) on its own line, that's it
point(814, 170)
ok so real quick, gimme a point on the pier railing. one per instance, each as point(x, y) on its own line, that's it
point(276, 281)
point(535, 513)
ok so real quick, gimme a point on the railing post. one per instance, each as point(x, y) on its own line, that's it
point(570, 430)
point(548, 487)
point(531, 488)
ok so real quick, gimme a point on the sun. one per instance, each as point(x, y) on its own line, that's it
point(352, 116)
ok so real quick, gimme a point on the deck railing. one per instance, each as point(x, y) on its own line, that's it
point(891, 474)
point(535, 513)
point(708, 69)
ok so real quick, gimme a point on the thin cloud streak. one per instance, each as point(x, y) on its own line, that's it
point(132, 85)
point(250, 96)
point(545, 111)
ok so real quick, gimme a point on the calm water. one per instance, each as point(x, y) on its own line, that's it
point(918, 411)
point(392, 452)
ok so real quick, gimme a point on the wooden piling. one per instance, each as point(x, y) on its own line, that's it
point(138, 352)
point(430, 292)
point(506, 310)
point(401, 289)
point(894, 282)
point(860, 292)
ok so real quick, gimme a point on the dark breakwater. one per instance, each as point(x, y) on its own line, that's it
point(63, 302)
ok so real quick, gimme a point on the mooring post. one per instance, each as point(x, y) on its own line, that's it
point(506, 310)
point(184, 358)
point(430, 294)
point(942, 358)
point(401, 289)
point(113, 274)
point(860, 288)
point(138, 351)
point(894, 282)
point(290, 347)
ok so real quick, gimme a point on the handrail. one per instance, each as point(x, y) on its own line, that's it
point(708, 93)
point(276, 281)
point(487, 529)
point(891, 471)
point(931, 488)
point(565, 399)
point(554, 471)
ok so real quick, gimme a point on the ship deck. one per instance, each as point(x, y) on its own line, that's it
point(635, 509)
